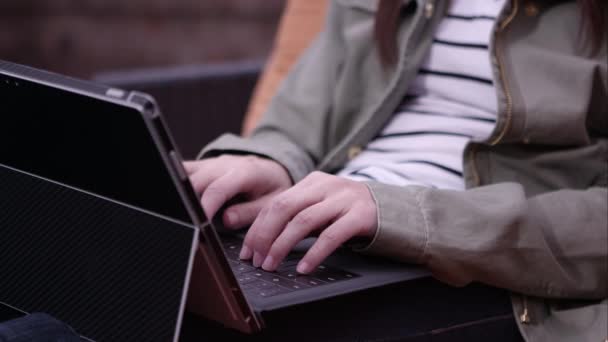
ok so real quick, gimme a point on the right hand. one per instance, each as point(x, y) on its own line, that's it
point(217, 180)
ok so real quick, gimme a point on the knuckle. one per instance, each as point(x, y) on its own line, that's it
point(280, 205)
point(215, 191)
point(279, 250)
point(330, 237)
point(261, 239)
point(213, 197)
point(316, 174)
point(344, 194)
point(263, 212)
point(303, 219)
point(353, 189)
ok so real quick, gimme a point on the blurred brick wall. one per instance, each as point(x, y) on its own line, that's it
point(82, 37)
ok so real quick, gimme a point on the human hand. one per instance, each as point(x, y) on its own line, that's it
point(217, 180)
point(338, 208)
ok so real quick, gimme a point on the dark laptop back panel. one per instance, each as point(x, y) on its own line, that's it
point(86, 142)
point(113, 146)
point(68, 247)
point(113, 272)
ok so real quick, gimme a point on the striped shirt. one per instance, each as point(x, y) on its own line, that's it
point(451, 102)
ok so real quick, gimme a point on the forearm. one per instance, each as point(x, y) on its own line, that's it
point(550, 245)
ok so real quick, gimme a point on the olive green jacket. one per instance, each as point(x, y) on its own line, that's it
point(534, 216)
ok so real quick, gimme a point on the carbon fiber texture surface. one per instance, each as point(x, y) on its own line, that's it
point(112, 272)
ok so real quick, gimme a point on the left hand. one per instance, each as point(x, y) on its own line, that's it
point(338, 208)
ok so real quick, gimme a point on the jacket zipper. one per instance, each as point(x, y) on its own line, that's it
point(509, 110)
point(503, 78)
point(524, 318)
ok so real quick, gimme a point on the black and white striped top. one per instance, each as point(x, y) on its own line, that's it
point(452, 101)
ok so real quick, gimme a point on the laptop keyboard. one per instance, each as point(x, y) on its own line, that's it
point(256, 281)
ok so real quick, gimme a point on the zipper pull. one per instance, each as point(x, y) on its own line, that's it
point(524, 318)
point(429, 8)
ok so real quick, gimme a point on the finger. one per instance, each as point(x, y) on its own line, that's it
point(234, 182)
point(316, 178)
point(205, 174)
point(191, 166)
point(301, 226)
point(330, 239)
point(246, 252)
point(275, 216)
point(243, 214)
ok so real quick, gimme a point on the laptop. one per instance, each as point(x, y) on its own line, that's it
point(101, 228)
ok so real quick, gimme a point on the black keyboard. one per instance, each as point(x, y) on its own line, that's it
point(256, 281)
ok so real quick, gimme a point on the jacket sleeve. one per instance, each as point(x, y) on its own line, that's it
point(550, 245)
point(292, 128)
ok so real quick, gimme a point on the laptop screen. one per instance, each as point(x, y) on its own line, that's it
point(86, 143)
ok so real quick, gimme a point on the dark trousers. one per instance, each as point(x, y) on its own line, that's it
point(419, 311)
point(36, 327)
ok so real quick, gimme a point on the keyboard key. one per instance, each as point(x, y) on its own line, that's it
point(297, 286)
point(257, 273)
point(233, 246)
point(278, 280)
point(327, 278)
point(256, 281)
point(272, 292)
point(262, 285)
point(289, 273)
point(308, 280)
point(246, 279)
point(242, 268)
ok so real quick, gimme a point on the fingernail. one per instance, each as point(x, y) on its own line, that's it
point(233, 218)
point(245, 253)
point(268, 263)
point(303, 267)
point(257, 259)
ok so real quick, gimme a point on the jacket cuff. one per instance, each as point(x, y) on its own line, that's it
point(402, 232)
point(297, 163)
